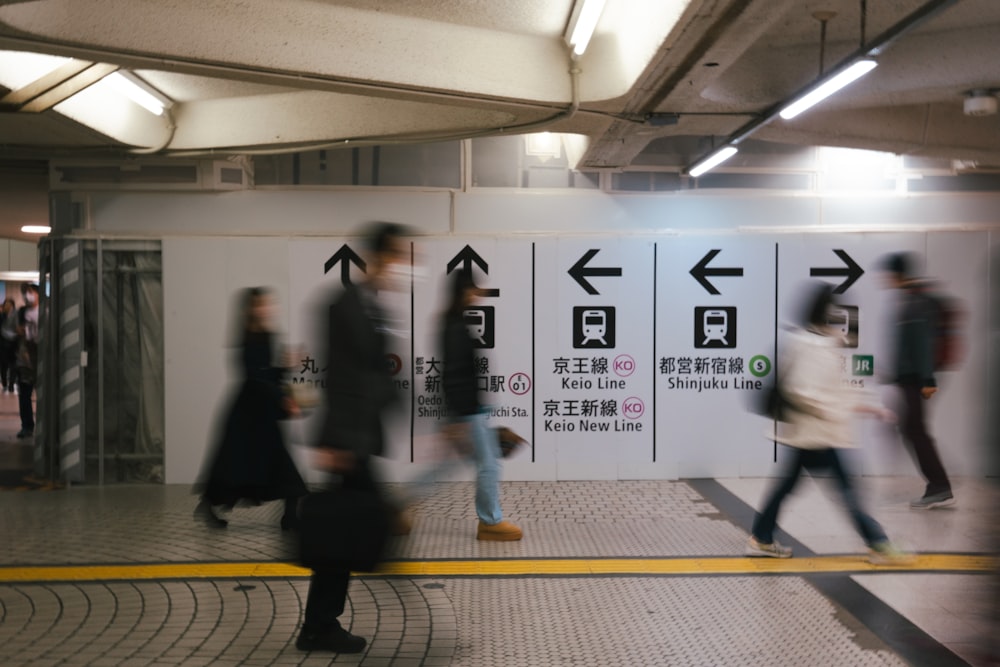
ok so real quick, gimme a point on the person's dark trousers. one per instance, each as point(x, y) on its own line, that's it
point(328, 586)
point(326, 600)
point(814, 460)
point(24, 404)
point(913, 427)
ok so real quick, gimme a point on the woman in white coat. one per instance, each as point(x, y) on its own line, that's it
point(822, 405)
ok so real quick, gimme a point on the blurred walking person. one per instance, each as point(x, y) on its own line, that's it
point(913, 373)
point(359, 391)
point(250, 461)
point(26, 358)
point(8, 345)
point(468, 414)
point(820, 410)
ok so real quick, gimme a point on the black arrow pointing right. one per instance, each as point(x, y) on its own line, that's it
point(345, 256)
point(851, 271)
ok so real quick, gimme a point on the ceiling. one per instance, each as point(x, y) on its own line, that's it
point(662, 82)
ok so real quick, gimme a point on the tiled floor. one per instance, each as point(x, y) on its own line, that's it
point(609, 573)
point(231, 599)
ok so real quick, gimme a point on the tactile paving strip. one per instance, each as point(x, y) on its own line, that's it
point(461, 622)
point(224, 622)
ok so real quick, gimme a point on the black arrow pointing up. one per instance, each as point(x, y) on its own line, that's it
point(701, 272)
point(467, 257)
point(580, 271)
point(345, 256)
point(851, 271)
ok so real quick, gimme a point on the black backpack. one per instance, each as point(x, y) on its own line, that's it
point(946, 317)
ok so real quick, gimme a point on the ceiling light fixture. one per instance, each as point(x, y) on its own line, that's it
point(850, 69)
point(713, 160)
point(828, 86)
point(138, 91)
point(36, 229)
point(582, 23)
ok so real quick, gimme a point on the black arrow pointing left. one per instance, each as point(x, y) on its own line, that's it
point(851, 271)
point(345, 256)
point(701, 272)
point(580, 271)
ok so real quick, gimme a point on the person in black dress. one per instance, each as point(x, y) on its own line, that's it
point(250, 461)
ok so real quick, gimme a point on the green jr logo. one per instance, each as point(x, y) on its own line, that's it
point(862, 364)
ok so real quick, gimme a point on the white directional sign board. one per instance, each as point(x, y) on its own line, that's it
point(715, 351)
point(627, 358)
point(594, 357)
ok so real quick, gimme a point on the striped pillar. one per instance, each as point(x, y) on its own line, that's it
point(70, 367)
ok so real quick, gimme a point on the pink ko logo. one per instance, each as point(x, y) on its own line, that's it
point(624, 365)
point(633, 407)
point(519, 383)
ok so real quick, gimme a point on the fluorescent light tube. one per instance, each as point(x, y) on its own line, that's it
point(581, 28)
point(131, 88)
point(712, 161)
point(829, 87)
point(36, 229)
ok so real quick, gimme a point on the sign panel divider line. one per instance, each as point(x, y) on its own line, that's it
point(655, 247)
point(774, 365)
point(534, 378)
point(413, 350)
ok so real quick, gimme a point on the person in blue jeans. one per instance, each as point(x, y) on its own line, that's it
point(468, 414)
point(818, 427)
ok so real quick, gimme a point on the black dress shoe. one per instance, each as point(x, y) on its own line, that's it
point(289, 522)
point(338, 640)
point(204, 511)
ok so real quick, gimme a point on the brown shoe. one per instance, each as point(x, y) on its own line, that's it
point(401, 524)
point(505, 531)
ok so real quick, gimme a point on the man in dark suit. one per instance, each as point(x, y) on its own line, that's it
point(358, 392)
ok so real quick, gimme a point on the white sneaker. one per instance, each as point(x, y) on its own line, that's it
point(772, 550)
point(887, 553)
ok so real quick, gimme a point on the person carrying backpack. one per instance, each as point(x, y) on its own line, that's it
point(917, 339)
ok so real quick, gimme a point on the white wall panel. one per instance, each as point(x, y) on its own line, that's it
point(201, 283)
point(273, 213)
point(657, 305)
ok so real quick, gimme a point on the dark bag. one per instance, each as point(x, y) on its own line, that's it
point(773, 402)
point(509, 441)
point(343, 528)
point(946, 318)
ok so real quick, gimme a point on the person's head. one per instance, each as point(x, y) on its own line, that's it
point(8, 305)
point(815, 315)
point(463, 291)
point(384, 241)
point(898, 268)
point(258, 309)
point(30, 293)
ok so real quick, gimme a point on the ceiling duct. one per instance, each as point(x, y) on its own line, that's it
point(980, 102)
point(132, 175)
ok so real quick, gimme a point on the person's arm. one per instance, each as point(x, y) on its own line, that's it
point(922, 341)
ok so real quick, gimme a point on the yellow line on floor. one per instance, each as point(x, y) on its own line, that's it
point(510, 567)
